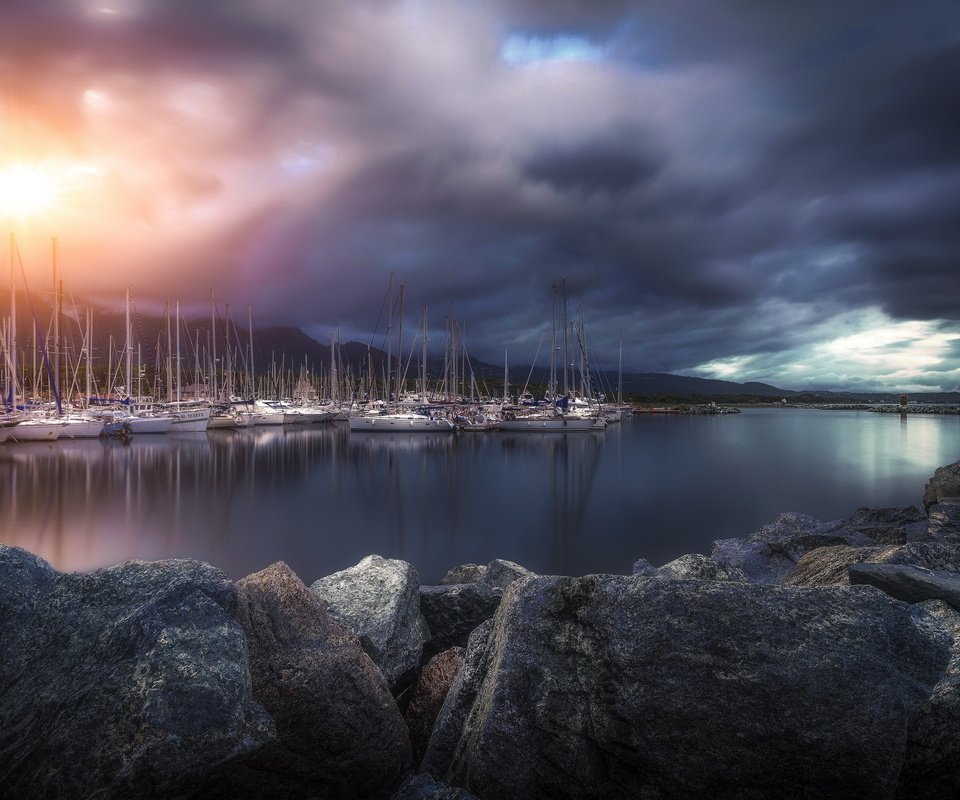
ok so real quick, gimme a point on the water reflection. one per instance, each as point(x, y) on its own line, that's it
point(320, 497)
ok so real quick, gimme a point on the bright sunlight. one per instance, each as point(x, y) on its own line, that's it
point(26, 190)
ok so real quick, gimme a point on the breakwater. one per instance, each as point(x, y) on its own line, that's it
point(809, 659)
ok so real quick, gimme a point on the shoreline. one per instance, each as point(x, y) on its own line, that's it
point(366, 683)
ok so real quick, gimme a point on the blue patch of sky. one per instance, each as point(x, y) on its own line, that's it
point(520, 49)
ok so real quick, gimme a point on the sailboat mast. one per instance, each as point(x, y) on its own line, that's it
point(250, 332)
point(566, 344)
point(553, 352)
point(166, 311)
point(128, 347)
point(400, 346)
point(620, 372)
point(423, 359)
point(213, 345)
point(89, 370)
point(56, 320)
point(334, 379)
point(13, 322)
point(506, 376)
point(178, 352)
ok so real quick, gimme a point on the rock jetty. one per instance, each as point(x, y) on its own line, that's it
point(809, 659)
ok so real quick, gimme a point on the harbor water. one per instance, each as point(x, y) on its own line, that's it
point(320, 498)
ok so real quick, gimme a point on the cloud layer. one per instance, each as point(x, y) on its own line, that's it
point(754, 190)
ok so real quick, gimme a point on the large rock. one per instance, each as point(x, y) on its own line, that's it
point(910, 584)
point(944, 520)
point(933, 739)
point(500, 573)
point(339, 732)
point(424, 787)
point(827, 566)
point(695, 566)
point(379, 600)
point(770, 553)
point(943, 484)
point(623, 687)
point(465, 573)
point(132, 681)
point(428, 696)
point(453, 611)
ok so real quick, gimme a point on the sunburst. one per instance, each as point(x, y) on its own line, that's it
point(27, 190)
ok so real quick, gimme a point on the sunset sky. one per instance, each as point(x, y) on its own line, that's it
point(746, 189)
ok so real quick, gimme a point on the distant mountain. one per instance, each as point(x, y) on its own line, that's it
point(290, 348)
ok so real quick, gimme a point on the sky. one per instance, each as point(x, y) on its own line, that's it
point(740, 189)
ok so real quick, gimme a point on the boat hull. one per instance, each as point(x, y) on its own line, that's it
point(556, 424)
point(400, 422)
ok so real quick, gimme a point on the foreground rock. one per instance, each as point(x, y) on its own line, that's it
point(628, 687)
point(499, 574)
point(768, 555)
point(339, 732)
point(453, 611)
point(379, 600)
point(428, 696)
point(424, 787)
point(129, 682)
point(697, 567)
point(827, 566)
point(910, 584)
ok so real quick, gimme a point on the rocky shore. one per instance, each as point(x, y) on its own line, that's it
point(807, 660)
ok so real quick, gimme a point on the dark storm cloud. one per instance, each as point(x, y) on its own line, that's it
point(728, 183)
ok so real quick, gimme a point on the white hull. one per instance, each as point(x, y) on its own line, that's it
point(36, 431)
point(400, 423)
point(150, 424)
point(194, 421)
point(266, 418)
point(557, 424)
point(81, 428)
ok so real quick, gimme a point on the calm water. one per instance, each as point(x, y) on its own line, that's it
point(321, 498)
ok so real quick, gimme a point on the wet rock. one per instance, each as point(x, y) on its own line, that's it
point(618, 687)
point(943, 484)
point(933, 738)
point(465, 573)
point(827, 566)
point(699, 567)
point(131, 681)
point(769, 554)
point(910, 584)
point(379, 600)
point(424, 787)
point(944, 520)
point(431, 690)
point(453, 611)
point(339, 732)
point(643, 568)
point(500, 574)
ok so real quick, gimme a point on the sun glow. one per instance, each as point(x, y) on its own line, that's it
point(27, 190)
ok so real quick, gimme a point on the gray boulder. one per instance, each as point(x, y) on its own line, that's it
point(643, 568)
point(933, 737)
point(452, 612)
point(424, 787)
point(827, 566)
point(428, 696)
point(943, 484)
point(500, 573)
point(695, 566)
point(339, 732)
point(770, 553)
point(379, 600)
point(944, 520)
point(465, 573)
point(623, 687)
point(910, 584)
point(131, 681)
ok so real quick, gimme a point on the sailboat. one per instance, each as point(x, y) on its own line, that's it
point(393, 421)
point(556, 417)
